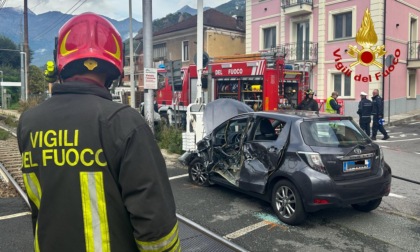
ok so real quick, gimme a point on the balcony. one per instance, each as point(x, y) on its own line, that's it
point(413, 55)
point(298, 52)
point(297, 7)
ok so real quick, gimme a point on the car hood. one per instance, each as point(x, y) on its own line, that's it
point(220, 110)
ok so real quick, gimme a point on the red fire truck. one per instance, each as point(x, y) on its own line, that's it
point(260, 80)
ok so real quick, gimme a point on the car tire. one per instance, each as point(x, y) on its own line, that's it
point(198, 173)
point(367, 206)
point(287, 203)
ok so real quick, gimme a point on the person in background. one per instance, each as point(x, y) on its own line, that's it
point(378, 115)
point(96, 179)
point(331, 105)
point(365, 112)
point(308, 103)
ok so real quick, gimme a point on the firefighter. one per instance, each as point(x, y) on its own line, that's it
point(308, 103)
point(378, 116)
point(95, 177)
point(331, 105)
point(364, 111)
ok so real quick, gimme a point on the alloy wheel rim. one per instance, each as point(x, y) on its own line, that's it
point(199, 175)
point(285, 202)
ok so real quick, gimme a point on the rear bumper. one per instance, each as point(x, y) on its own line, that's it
point(342, 193)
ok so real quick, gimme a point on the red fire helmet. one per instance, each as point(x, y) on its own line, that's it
point(89, 42)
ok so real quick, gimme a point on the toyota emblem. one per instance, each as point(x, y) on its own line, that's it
point(357, 151)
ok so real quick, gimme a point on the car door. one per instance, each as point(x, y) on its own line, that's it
point(263, 151)
point(228, 152)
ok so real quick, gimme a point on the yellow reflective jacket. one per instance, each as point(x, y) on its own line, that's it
point(328, 107)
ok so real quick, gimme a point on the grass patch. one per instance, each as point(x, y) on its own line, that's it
point(4, 135)
point(169, 138)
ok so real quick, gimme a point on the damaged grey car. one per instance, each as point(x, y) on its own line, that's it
point(298, 161)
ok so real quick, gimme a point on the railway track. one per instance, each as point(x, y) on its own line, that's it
point(10, 165)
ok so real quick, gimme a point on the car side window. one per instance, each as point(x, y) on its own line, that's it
point(267, 129)
point(235, 130)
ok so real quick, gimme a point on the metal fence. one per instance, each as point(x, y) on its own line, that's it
point(292, 52)
point(413, 50)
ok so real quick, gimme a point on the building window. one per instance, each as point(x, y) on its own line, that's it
point(342, 25)
point(342, 84)
point(411, 84)
point(269, 37)
point(159, 51)
point(185, 51)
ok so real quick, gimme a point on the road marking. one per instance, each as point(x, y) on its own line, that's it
point(393, 133)
point(14, 215)
point(417, 153)
point(414, 123)
point(177, 177)
point(392, 141)
point(396, 196)
point(246, 230)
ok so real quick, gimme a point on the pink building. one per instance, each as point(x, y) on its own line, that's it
point(319, 36)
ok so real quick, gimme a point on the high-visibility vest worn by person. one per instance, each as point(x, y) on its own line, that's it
point(328, 107)
point(94, 175)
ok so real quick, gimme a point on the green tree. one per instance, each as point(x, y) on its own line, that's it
point(9, 53)
point(36, 81)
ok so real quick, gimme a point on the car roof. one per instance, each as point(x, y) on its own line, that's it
point(299, 114)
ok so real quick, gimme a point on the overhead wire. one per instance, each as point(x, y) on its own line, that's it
point(58, 21)
point(2, 3)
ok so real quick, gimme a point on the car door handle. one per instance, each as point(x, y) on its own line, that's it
point(272, 149)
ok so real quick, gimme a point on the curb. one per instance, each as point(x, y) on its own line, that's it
point(404, 120)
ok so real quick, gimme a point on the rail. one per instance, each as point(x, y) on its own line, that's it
point(15, 185)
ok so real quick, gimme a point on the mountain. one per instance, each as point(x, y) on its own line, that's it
point(189, 10)
point(43, 28)
point(231, 8)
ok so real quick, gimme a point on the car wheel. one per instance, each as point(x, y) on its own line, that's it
point(287, 203)
point(198, 173)
point(367, 206)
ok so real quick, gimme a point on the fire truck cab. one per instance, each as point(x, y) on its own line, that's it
point(260, 80)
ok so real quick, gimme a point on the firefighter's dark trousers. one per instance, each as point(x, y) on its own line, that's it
point(365, 125)
point(376, 126)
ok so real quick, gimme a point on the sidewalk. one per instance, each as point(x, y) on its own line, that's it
point(399, 119)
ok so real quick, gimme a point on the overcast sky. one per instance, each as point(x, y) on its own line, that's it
point(115, 9)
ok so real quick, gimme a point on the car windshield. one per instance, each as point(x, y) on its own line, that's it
point(331, 133)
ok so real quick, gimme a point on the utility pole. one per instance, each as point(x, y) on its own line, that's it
point(148, 59)
point(25, 45)
point(132, 84)
point(199, 50)
point(2, 95)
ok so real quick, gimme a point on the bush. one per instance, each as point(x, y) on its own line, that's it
point(169, 138)
point(4, 134)
point(30, 103)
point(11, 121)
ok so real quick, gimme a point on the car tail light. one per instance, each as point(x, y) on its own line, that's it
point(321, 201)
point(314, 161)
